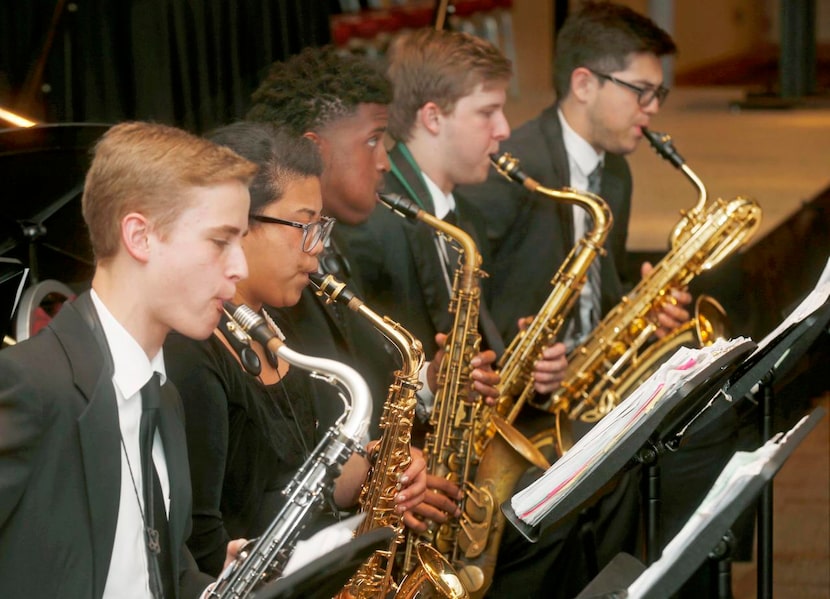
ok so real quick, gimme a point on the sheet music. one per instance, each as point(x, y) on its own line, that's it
point(815, 300)
point(532, 504)
point(323, 542)
point(729, 485)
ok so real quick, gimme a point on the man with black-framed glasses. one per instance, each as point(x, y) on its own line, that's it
point(609, 84)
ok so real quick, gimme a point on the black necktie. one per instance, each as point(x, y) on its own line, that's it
point(155, 518)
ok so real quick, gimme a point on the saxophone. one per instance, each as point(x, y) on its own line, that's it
point(505, 453)
point(516, 364)
point(449, 449)
point(609, 362)
point(391, 458)
point(264, 559)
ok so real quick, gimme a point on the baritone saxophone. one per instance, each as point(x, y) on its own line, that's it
point(614, 358)
point(376, 578)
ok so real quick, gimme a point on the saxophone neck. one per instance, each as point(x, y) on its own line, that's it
point(470, 258)
point(408, 346)
point(664, 146)
point(335, 373)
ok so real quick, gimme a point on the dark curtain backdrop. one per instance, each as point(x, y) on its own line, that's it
point(191, 63)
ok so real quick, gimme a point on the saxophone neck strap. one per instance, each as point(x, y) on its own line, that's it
point(406, 170)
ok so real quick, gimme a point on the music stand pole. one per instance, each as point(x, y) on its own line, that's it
point(765, 508)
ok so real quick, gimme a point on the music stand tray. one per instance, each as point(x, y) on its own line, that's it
point(623, 451)
point(325, 577)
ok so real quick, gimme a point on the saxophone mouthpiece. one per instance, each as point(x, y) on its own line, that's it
point(662, 144)
point(331, 288)
point(508, 167)
point(400, 205)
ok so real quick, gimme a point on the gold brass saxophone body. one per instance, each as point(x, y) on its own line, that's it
point(515, 366)
point(505, 454)
point(448, 449)
point(612, 361)
point(391, 458)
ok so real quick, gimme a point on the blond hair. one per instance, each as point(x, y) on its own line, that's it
point(148, 168)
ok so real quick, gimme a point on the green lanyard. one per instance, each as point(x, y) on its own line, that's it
point(399, 175)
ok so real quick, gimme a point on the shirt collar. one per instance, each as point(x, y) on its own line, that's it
point(582, 158)
point(131, 366)
point(444, 203)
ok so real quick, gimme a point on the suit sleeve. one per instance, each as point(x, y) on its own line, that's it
point(21, 430)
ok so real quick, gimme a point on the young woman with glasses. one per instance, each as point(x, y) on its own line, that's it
point(250, 426)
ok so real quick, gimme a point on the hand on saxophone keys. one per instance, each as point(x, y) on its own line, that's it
point(412, 484)
point(440, 503)
point(549, 370)
point(483, 378)
point(670, 313)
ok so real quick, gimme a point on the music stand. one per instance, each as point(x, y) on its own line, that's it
point(624, 578)
point(755, 378)
point(625, 450)
point(325, 577)
point(42, 170)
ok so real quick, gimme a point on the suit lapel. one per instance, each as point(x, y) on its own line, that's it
point(421, 237)
point(560, 175)
point(98, 428)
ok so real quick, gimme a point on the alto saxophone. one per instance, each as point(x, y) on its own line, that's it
point(608, 363)
point(264, 559)
point(449, 449)
point(505, 453)
point(391, 458)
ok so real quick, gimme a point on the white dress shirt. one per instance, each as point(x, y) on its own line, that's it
point(127, 577)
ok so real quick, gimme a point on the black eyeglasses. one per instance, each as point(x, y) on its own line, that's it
point(313, 233)
point(645, 95)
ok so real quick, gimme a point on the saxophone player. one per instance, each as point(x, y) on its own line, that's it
point(342, 104)
point(166, 213)
point(445, 120)
point(609, 85)
point(251, 423)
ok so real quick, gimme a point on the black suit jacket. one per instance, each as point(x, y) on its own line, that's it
point(400, 268)
point(60, 466)
point(311, 327)
point(530, 235)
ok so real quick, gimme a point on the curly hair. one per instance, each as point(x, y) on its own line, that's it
point(316, 87)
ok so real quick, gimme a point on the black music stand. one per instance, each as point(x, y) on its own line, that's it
point(626, 451)
point(325, 577)
point(755, 378)
point(619, 579)
point(42, 170)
